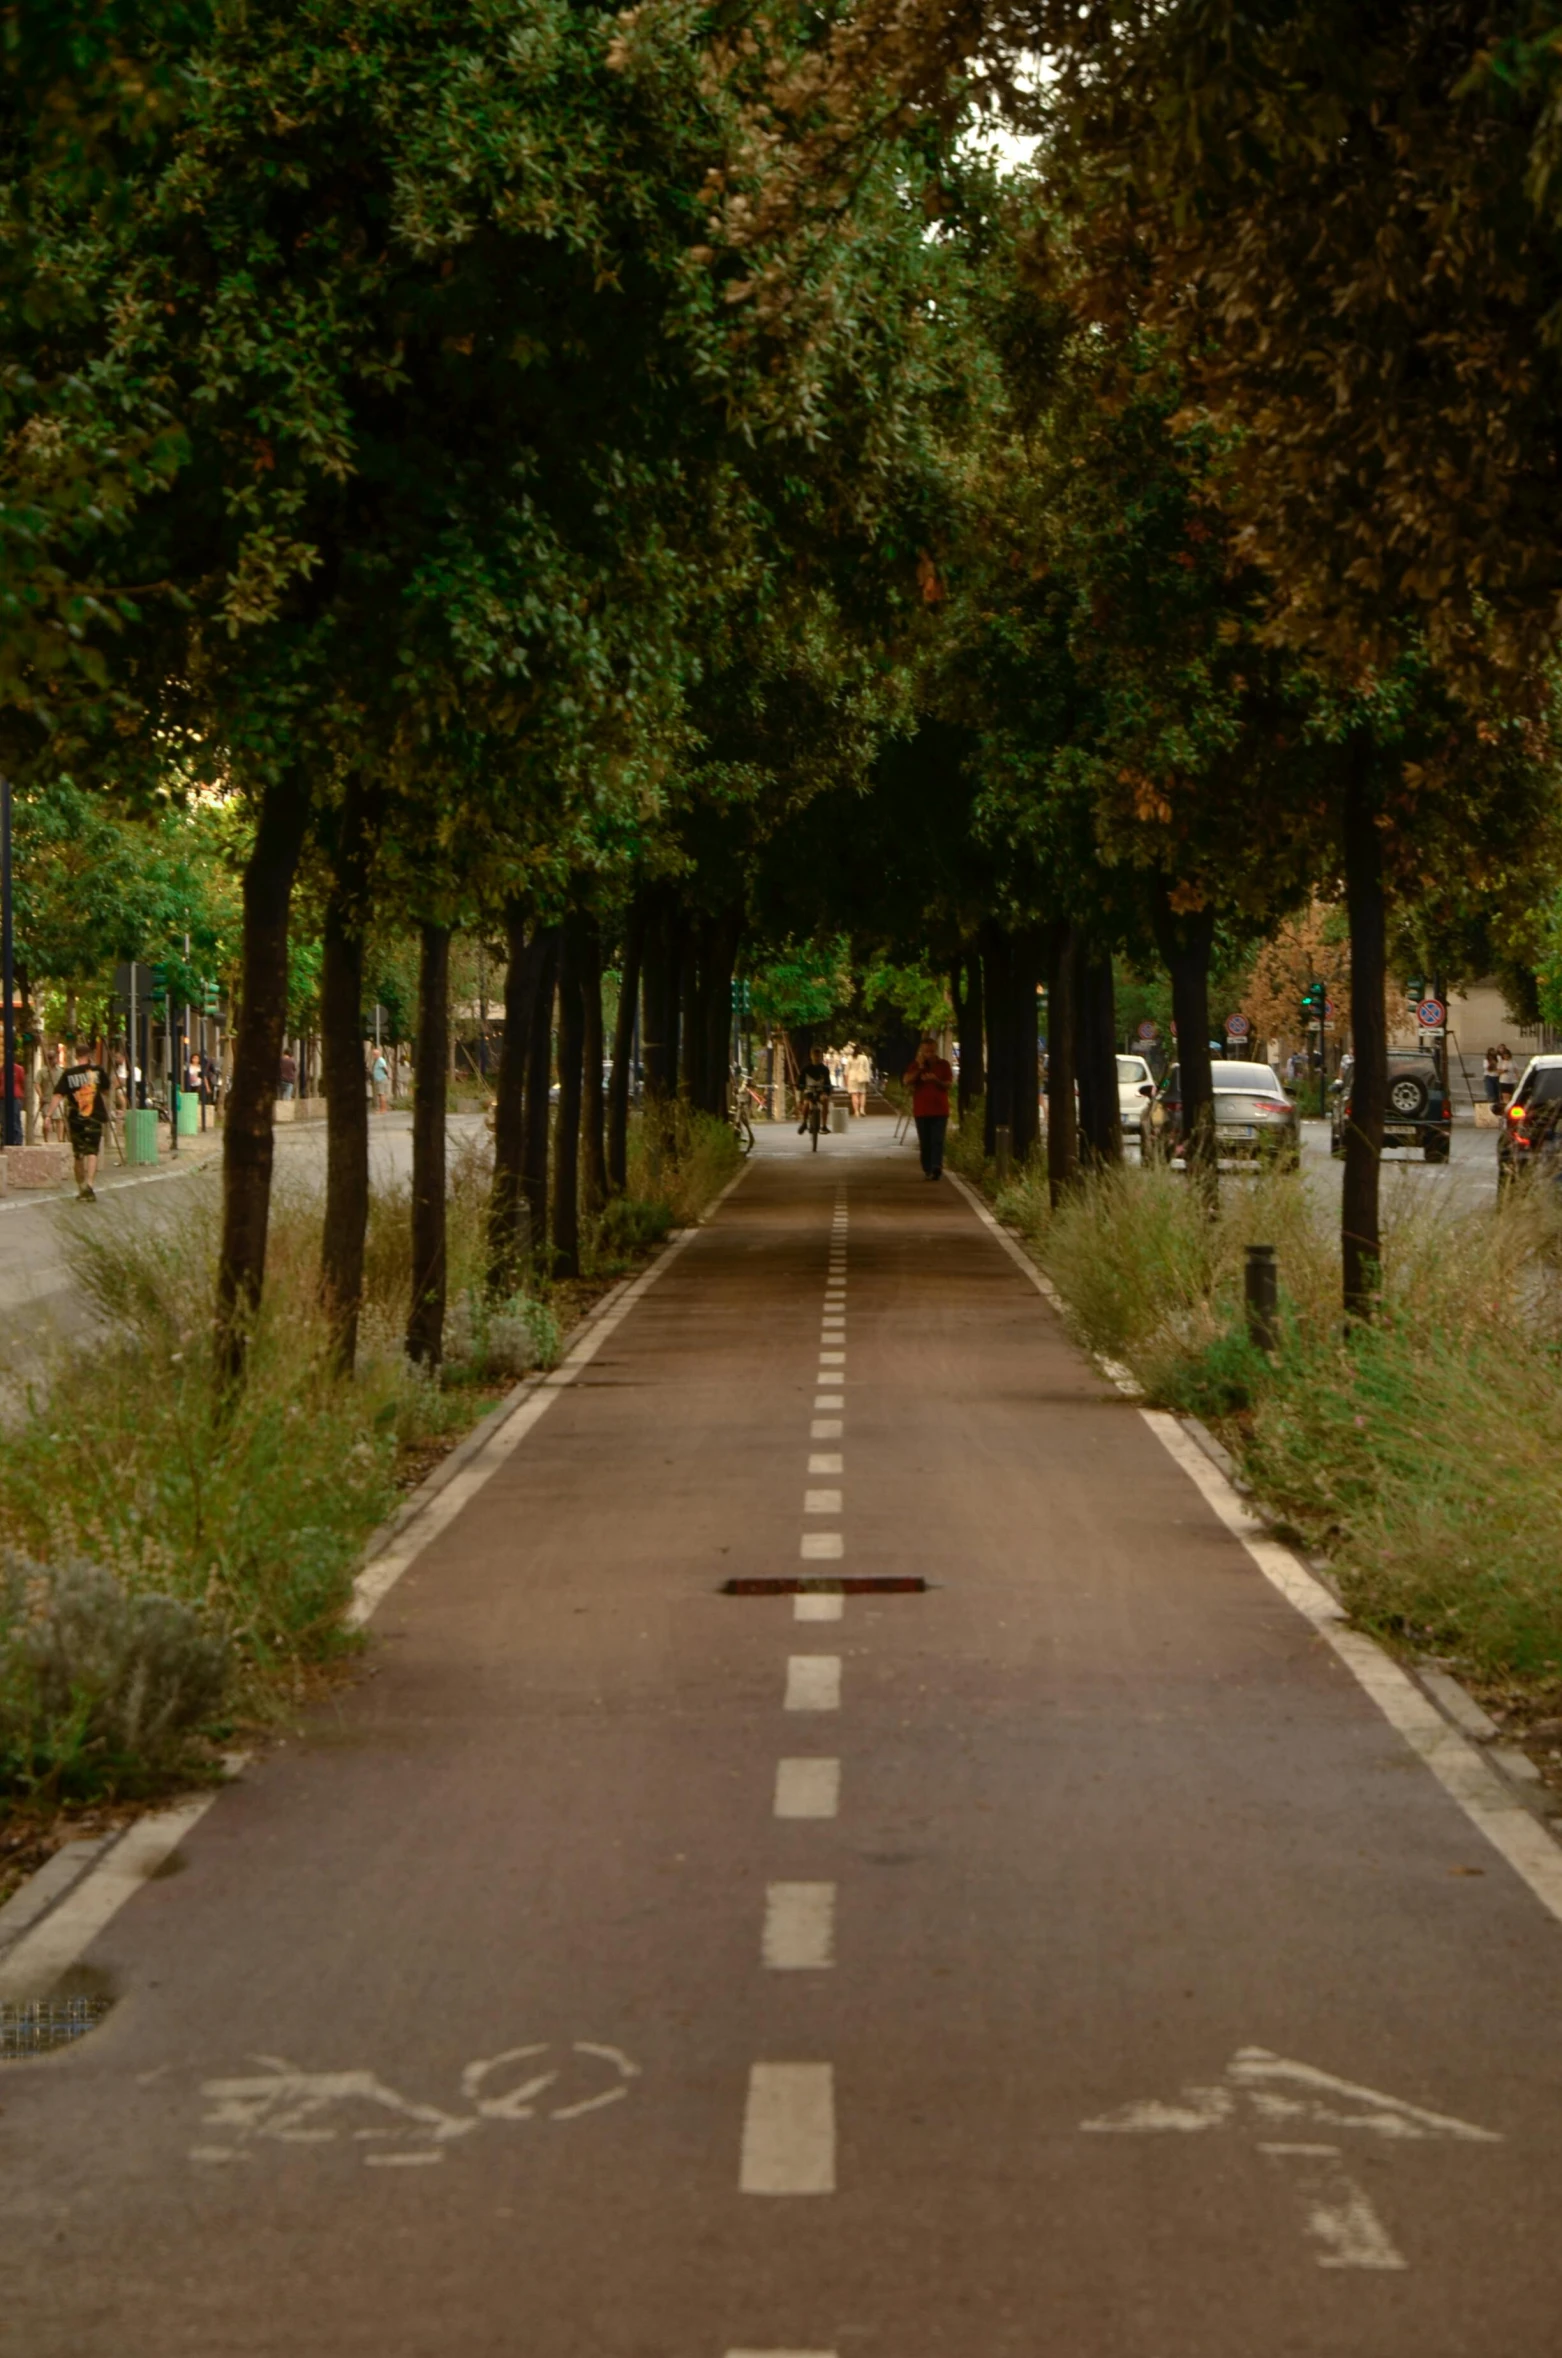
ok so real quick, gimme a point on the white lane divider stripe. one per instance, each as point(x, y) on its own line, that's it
point(832, 1359)
point(821, 1502)
point(813, 1682)
point(799, 1935)
point(827, 1428)
point(829, 1606)
point(780, 2354)
point(789, 2129)
point(1456, 1764)
point(826, 1462)
point(808, 1788)
point(821, 1547)
point(830, 1399)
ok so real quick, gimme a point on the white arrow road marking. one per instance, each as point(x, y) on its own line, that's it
point(1267, 2089)
point(1339, 2215)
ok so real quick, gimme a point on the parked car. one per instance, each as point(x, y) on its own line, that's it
point(1254, 1118)
point(1418, 1113)
point(1135, 1088)
point(1531, 1135)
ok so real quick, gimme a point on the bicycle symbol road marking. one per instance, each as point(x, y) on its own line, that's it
point(285, 2105)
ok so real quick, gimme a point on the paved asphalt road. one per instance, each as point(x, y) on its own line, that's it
point(630, 1970)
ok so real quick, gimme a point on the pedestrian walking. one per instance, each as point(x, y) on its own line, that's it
point(930, 1078)
point(85, 1090)
point(1507, 1078)
point(1492, 1085)
point(859, 1077)
point(287, 1074)
point(379, 1075)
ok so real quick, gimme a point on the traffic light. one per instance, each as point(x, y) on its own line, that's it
point(1313, 1001)
point(1415, 989)
point(211, 999)
point(159, 980)
point(740, 994)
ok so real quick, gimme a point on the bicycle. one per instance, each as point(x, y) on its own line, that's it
point(814, 1114)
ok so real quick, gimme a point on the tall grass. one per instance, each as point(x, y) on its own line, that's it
point(1422, 1453)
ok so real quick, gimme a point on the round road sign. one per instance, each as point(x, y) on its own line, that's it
point(1148, 1030)
point(1237, 1027)
point(1431, 1015)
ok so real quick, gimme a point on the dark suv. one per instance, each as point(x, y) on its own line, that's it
point(1531, 1135)
point(1417, 1112)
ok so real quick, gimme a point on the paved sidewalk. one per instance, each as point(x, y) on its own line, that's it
point(1063, 1959)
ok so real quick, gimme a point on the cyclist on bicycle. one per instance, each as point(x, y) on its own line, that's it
point(813, 1082)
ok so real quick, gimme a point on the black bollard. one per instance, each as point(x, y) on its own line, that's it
point(1261, 1290)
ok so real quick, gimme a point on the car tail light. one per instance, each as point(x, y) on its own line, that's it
point(1447, 1112)
point(1516, 1113)
point(1272, 1105)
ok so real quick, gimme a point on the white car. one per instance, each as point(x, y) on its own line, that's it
point(1135, 1088)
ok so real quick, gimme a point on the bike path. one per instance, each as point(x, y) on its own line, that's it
point(1067, 1959)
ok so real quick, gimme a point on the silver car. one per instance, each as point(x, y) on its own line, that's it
point(1254, 1119)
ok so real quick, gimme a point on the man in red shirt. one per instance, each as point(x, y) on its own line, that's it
point(929, 1081)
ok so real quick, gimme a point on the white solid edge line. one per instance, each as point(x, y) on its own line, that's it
point(380, 1575)
point(1493, 1810)
point(1454, 1761)
point(40, 1957)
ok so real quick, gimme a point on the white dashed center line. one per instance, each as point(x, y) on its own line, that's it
point(799, 1935)
point(827, 1462)
point(808, 1788)
point(826, 1428)
point(821, 1547)
point(813, 1682)
point(821, 1502)
point(815, 1605)
point(789, 2129)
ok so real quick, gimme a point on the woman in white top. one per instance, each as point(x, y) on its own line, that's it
point(859, 1077)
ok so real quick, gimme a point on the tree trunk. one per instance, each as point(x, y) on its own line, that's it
point(691, 1026)
point(658, 1039)
point(721, 957)
point(593, 1145)
point(1360, 1242)
point(430, 1080)
point(973, 1078)
point(508, 1237)
point(566, 1143)
point(624, 1048)
point(248, 1140)
point(1100, 1111)
point(539, 1074)
point(1186, 943)
point(997, 975)
point(346, 1100)
point(1062, 1037)
point(1025, 1115)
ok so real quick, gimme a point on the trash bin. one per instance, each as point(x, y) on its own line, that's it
point(189, 1115)
point(140, 1134)
point(840, 1115)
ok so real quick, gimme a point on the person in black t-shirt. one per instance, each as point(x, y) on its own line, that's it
point(84, 1088)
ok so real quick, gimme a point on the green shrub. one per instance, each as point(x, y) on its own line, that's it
point(98, 1687)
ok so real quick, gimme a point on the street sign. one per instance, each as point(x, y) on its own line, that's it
point(1431, 1015)
point(1237, 1027)
point(1149, 1031)
point(132, 982)
point(1328, 1011)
